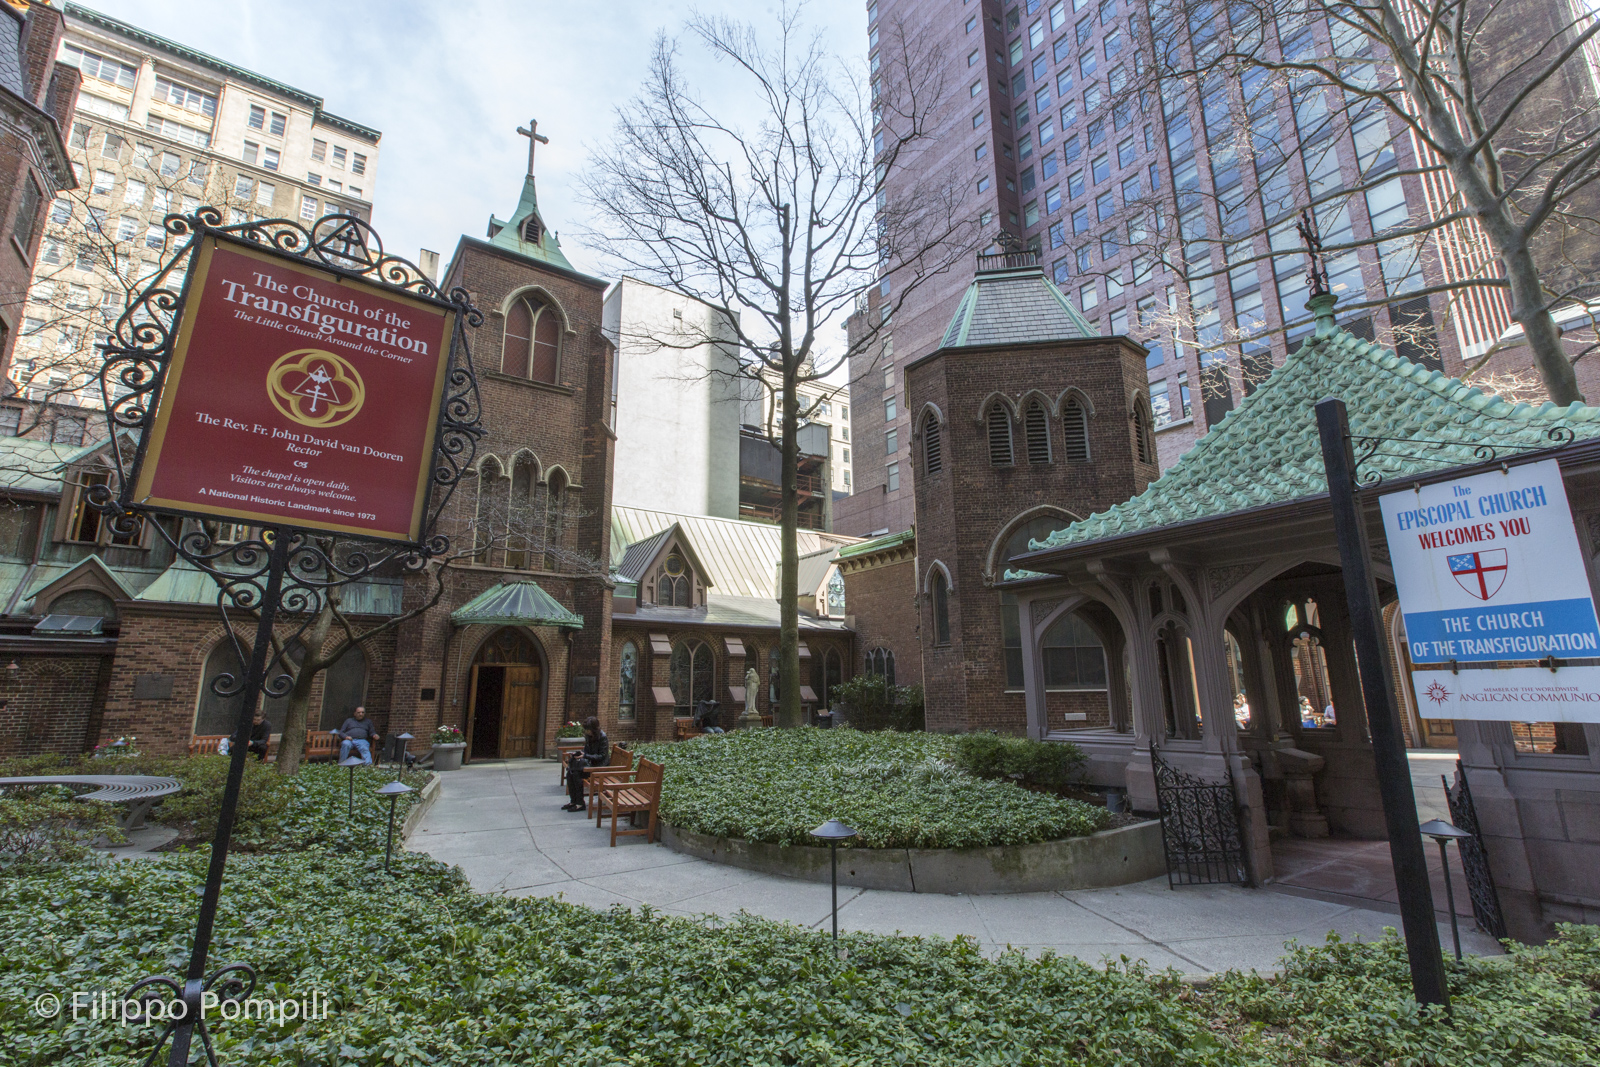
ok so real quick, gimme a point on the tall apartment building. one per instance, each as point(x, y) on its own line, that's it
point(677, 404)
point(828, 404)
point(1165, 213)
point(162, 128)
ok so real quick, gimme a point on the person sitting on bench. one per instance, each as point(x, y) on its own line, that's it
point(359, 733)
point(260, 736)
point(596, 753)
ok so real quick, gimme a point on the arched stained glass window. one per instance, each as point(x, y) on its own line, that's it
point(628, 679)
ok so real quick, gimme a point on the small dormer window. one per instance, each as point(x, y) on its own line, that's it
point(675, 588)
point(531, 230)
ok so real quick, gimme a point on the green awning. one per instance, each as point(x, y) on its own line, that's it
point(515, 604)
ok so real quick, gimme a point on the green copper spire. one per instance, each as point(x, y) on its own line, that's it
point(525, 232)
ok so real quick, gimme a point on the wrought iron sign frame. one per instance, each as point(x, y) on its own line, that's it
point(283, 570)
point(1371, 448)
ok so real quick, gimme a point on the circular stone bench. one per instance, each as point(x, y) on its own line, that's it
point(1109, 858)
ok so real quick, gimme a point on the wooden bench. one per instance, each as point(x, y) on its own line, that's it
point(683, 729)
point(621, 764)
point(639, 795)
point(138, 791)
point(320, 744)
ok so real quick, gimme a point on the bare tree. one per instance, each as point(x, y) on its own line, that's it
point(781, 224)
point(1505, 143)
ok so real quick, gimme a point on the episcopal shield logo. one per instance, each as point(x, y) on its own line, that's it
point(1480, 573)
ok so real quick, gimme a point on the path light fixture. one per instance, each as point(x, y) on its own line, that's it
point(394, 790)
point(405, 753)
point(833, 831)
point(1444, 833)
point(352, 762)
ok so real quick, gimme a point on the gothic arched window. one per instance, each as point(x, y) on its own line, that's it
point(932, 446)
point(941, 609)
point(1143, 442)
point(999, 424)
point(1036, 430)
point(1075, 424)
point(691, 676)
point(627, 683)
point(533, 341)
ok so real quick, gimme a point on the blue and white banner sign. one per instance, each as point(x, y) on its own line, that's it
point(1492, 580)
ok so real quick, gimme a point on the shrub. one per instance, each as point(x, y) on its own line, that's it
point(46, 825)
point(571, 729)
point(274, 814)
point(1049, 765)
point(900, 790)
point(871, 703)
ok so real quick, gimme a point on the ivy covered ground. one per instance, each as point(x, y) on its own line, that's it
point(421, 970)
point(418, 969)
point(900, 790)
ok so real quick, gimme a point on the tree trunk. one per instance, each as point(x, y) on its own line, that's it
point(789, 583)
point(292, 741)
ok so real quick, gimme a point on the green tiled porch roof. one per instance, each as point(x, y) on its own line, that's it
point(1266, 451)
point(520, 603)
point(877, 544)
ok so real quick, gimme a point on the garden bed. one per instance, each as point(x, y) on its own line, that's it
point(417, 969)
point(900, 790)
point(275, 814)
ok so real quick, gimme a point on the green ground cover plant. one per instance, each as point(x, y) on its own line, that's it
point(423, 971)
point(900, 790)
point(275, 813)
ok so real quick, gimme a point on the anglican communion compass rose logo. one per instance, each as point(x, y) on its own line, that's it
point(315, 388)
point(1481, 574)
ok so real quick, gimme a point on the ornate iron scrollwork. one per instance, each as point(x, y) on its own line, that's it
point(283, 572)
point(1199, 827)
point(1367, 449)
point(1474, 857)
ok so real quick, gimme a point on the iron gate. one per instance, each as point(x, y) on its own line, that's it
point(1474, 857)
point(1199, 827)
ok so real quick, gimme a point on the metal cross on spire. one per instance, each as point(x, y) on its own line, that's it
point(1316, 269)
point(535, 139)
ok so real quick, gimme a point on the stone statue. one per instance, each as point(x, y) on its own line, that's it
point(750, 718)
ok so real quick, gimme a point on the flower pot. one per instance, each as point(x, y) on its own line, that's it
point(448, 757)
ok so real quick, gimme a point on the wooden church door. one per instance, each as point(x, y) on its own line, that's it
point(519, 724)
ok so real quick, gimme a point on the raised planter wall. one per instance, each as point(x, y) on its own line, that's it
point(1112, 857)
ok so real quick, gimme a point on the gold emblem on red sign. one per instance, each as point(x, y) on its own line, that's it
point(315, 388)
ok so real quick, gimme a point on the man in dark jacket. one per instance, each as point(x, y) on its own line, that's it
point(260, 736)
point(596, 753)
point(357, 733)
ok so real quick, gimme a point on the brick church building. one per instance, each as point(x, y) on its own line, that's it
point(105, 637)
point(1023, 421)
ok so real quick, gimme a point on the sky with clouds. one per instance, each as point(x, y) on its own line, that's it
point(449, 83)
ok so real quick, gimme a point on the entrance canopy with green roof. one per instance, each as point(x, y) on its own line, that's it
point(520, 603)
point(1219, 594)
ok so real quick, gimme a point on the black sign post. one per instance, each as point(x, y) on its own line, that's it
point(1388, 744)
point(284, 574)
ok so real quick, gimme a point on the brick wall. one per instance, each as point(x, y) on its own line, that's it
point(171, 644)
point(47, 704)
point(966, 507)
point(883, 600)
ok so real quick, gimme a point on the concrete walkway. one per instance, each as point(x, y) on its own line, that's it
point(502, 824)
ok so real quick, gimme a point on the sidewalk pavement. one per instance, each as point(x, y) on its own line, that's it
point(502, 824)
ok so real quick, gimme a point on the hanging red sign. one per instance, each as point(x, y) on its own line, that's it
point(298, 397)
